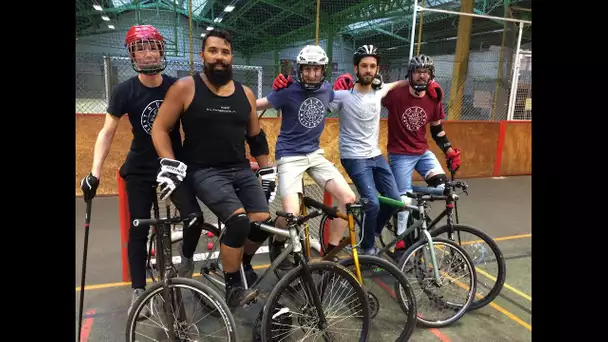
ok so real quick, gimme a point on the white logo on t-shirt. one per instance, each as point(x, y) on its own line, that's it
point(413, 118)
point(149, 114)
point(312, 112)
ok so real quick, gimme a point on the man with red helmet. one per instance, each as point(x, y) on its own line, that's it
point(219, 115)
point(140, 97)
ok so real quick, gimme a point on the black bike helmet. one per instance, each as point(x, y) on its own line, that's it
point(365, 51)
point(420, 62)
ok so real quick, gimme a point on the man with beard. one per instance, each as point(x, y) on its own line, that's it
point(216, 112)
point(304, 104)
point(139, 97)
point(409, 110)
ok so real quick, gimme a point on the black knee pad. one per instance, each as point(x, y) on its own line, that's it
point(257, 235)
point(437, 180)
point(237, 229)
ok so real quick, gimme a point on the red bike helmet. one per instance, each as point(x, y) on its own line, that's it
point(146, 37)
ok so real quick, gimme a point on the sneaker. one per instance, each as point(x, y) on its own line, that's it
point(136, 294)
point(186, 267)
point(238, 296)
point(371, 251)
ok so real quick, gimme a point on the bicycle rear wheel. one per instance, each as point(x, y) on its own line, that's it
point(391, 319)
point(487, 259)
point(290, 303)
point(205, 301)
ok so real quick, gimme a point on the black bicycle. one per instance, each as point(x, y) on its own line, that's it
point(161, 311)
point(320, 300)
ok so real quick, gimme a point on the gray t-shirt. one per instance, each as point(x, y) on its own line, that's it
point(359, 115)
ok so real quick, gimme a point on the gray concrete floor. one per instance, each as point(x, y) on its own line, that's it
point(501, 207)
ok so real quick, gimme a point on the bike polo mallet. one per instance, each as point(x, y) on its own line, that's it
point(87, 220)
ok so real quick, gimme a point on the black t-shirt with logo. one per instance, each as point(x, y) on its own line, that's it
point(141, 104)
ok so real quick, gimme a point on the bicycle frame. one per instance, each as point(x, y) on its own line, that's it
point(294, 235)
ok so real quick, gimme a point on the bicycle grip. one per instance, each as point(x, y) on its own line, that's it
point(331, 212)
point(140, 222)
point(283, 214)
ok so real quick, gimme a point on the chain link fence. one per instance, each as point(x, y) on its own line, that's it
point(96, 76)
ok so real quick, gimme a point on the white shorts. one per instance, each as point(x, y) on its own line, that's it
point(291, 170)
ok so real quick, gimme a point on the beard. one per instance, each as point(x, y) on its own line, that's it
point(218, 77)
point(365, 80)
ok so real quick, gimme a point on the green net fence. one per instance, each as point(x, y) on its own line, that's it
point(268, 34)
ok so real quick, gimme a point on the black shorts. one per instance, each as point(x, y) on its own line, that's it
point(225, 190)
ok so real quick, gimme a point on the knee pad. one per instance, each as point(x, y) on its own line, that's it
point(437, 181)
point(237, 229)
point(257, 235)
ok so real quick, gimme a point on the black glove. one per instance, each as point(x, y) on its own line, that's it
point(268, 175)
point(89, 185)
point(171, 175)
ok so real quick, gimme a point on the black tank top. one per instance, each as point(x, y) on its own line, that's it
point(215, 127)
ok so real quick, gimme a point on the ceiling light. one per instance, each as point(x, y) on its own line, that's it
point(97, 7)
point(228, 8)
point(209, 28)
point(203, 34)
point(218, 20)
point(111, 26)
point(105, 18)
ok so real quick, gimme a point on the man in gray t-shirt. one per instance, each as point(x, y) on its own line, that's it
point(359, 112)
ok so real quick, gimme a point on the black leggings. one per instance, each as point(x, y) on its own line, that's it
point(141, 191)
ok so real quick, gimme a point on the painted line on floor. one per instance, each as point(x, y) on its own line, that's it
point(119, 284)
point(514, 290)
point(87, 325)
point(495, 306)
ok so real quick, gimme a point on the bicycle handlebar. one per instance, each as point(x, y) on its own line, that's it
point(299, 219)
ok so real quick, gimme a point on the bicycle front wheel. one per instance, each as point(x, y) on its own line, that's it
point(487, 259)
point(391, 319)
point(290, 313)
point(440, 302)
point(211, 319)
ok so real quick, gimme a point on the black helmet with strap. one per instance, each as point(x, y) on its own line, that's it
point(365, 51)
point(420, 62)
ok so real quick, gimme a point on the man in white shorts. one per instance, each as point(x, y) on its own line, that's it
point(304, 104)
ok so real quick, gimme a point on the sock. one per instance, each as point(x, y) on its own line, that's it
point(330, 247)
point(232, 278)
point(247, 260)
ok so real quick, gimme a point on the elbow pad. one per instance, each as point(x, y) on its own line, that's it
point(443, 142)
point(258, 144)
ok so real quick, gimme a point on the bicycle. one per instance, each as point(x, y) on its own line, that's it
point(359, 263)
point(169, 288)
point(475, 245)
point(425, 242)
point(275, 316)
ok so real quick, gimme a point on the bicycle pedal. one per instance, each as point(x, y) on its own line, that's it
point(250, 298)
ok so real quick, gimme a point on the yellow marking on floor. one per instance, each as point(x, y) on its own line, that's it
point(516, 291)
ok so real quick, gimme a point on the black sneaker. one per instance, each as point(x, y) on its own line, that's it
point(238, 296)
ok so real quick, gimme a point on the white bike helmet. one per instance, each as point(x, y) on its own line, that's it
point(311, 55)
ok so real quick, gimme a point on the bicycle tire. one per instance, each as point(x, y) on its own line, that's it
point(198, 287)
point(400, 278)
point(502, 267)
point(323, 240)
point(326, 267)
point(472, 289)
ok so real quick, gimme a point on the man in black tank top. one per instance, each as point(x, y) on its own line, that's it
point(140, 97)
point(218, 115)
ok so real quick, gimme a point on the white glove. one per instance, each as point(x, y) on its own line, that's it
point(171, 174)
point(268, 175)
point(377, 82)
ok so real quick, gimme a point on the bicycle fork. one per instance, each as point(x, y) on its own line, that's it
point(431, 251)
